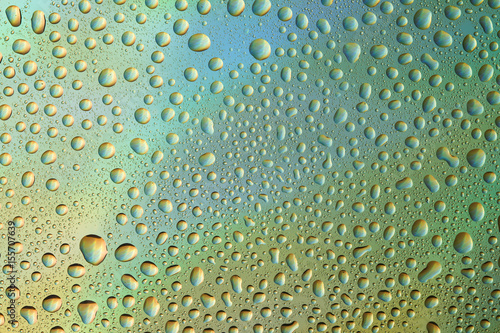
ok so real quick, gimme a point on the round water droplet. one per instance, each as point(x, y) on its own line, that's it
point(94, 249)
point(207, 159)
point(107, 77)
point(443, 39)
point(423, 18)
point(463, 242)
point(260, 49)
point(126, 252)
point(199, 42)
point(235, 7)
point(476, 211)
point(476, 158)
point(52, 303)
point(21, 46)
point(261, 7)
point(106, 150)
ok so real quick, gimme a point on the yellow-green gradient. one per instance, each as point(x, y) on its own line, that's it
point(249, 166)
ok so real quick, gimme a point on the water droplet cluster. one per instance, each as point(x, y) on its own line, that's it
point(251, 165)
